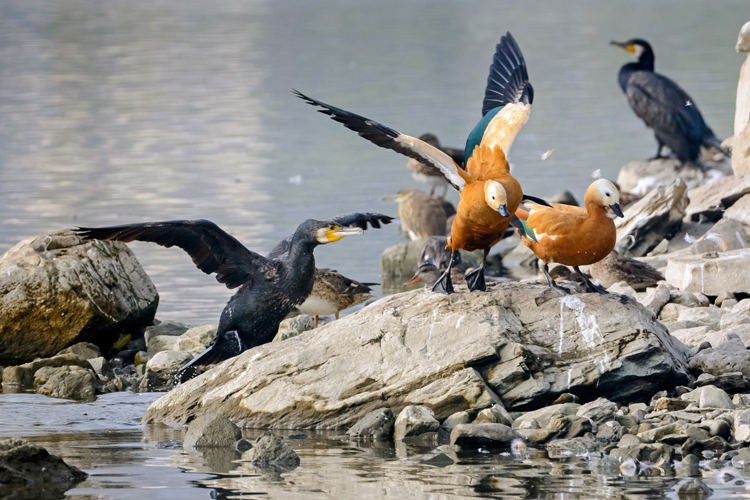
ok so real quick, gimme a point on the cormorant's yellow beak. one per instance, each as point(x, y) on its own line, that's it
point(392, 198)
point(335, 233)
point(624, 46)
point(503, 210)
point(616, 209)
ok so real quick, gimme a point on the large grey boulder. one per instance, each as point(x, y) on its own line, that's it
point(598, 411)
point(538, 419)
point(415, 420)
point(493, 435)
point(656, 216)
point(83, 350)
point(376, 425)
point(653, 453)
point(292, 327)
point(29, 471)
point(161, 368)
point(212, 430)
point(22, 376)
point(270, 450)
point(57, 290)
point(166, 328)
point(741, 149)
point(730, 356)
point(518, 342)
point(69, 382)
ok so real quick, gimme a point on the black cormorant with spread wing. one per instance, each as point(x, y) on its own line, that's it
point(268, 288)
point(663, 105)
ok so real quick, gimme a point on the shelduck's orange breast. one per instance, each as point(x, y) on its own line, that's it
point(476, 225)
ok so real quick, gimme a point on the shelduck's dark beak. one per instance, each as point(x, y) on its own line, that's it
point(616, 209)
point(503, 210)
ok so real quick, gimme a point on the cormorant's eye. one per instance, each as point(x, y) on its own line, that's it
point(331, 227)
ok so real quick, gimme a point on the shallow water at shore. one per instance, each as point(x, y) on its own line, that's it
point(106, 440)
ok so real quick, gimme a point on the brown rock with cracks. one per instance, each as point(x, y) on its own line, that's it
point(57, 290)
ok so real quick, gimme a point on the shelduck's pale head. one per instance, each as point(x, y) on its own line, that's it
point(496, 198)
point(605, 194)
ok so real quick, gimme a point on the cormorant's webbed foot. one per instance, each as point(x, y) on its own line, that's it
point(551, 282)
point(658, 155)
point(444, 283)
point(590, 287)
point(475, 279)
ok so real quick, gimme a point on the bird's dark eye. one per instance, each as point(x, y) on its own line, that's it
point(609, 194)
point(331, 227)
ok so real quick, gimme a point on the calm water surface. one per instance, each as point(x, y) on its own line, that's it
point(127, 111)
point(105, 439)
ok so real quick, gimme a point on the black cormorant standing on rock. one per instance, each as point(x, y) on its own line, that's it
point(332, 292)
point(268, 289)
point(663, 105)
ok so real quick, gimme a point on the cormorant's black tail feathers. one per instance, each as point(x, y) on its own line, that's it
point(508, 81)
point(709, 140)
point(224, 347)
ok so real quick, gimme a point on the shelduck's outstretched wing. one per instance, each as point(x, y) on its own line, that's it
point(508, 81)
point(356, 219)
point(387, 138)
point(212, 249)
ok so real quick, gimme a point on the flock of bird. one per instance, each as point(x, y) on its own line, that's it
point(492, 205)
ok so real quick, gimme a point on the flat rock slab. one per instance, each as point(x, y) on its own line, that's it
point(710, 199)
point(648, 221)
point(641, 177)
point(519, 342)
point(711, 274)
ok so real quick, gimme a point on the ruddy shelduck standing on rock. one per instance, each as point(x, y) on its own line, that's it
point(573, 236)
point(489, 194)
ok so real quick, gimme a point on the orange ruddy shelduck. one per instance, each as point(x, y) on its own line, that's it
point(573, 236)
point(489, 194)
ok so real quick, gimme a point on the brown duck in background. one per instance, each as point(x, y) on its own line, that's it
point(332, 293)
point(615, 268)
point(428, 273)
point(422, 215)
point(428, 174)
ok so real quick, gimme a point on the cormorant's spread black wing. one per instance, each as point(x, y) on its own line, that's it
point(508, 81)
point(360, 220)
point(387, 138)
point(212, 249)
